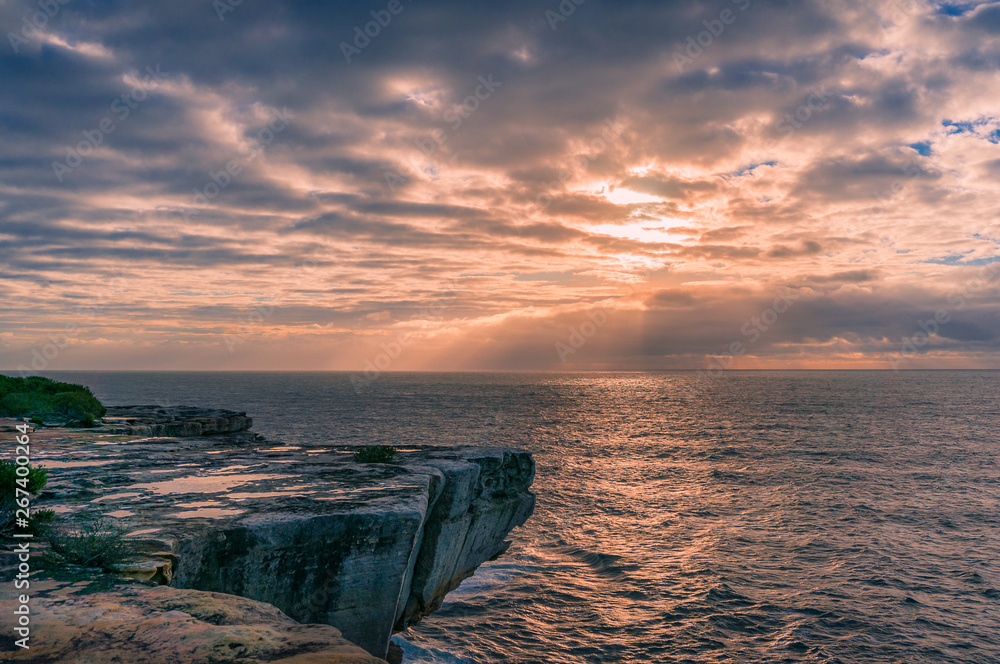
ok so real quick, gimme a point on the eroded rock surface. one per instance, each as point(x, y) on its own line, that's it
point(163, 625)
point(366, 548)
point(179, 421)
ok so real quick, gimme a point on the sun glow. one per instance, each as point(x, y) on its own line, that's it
point(646, 231)
point(620, 196)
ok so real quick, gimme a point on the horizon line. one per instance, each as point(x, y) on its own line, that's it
point(485, 371)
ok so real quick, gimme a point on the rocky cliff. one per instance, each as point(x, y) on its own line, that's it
point(178, 421)
point(365, 548)
point(162, 625)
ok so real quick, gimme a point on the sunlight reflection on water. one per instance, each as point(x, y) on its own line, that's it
point(777, 517)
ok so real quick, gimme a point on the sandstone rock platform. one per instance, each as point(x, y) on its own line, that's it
point(134, 624)
point(365, 548)
point(178, 421)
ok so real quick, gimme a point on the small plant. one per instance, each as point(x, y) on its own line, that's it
point(93, 542)
point(41, 521)
point(35, 479)
point(10, 482)
point(375, 454)
point(37, 421)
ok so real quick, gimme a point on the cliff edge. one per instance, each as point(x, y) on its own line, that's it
point(366, 548)
point(161, 625)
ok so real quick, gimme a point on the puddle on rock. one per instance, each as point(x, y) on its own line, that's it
point(208, 513)
point(114, 496)
point(66, 509)
point(296, 492)
point(48, 463)
point(229, 469)
point(203, 484)
point(145, 531)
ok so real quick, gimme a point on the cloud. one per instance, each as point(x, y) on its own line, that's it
point(847, 151)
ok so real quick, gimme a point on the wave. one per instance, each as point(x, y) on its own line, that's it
point(414, 654)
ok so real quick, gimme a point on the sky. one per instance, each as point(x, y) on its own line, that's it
point(439, 185)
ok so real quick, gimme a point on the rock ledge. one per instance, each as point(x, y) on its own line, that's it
point(366, 548)
point(177, 421)
point(162, 625)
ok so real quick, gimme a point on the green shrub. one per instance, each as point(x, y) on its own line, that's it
point(15, 404)
point(8, 479)
point(37, 421)
point(45, 516)
point(375, 454)
point(33, 483)
point(90, 542)
point(38, 397)
point(41, 521)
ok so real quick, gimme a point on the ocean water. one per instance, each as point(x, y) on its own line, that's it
point(763, 517)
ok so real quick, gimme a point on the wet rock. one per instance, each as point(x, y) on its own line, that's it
point(366, 548)
point(162, 625)
point(177, 421)
point(11, 424)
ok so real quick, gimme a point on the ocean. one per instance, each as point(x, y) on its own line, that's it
point(758, 517)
